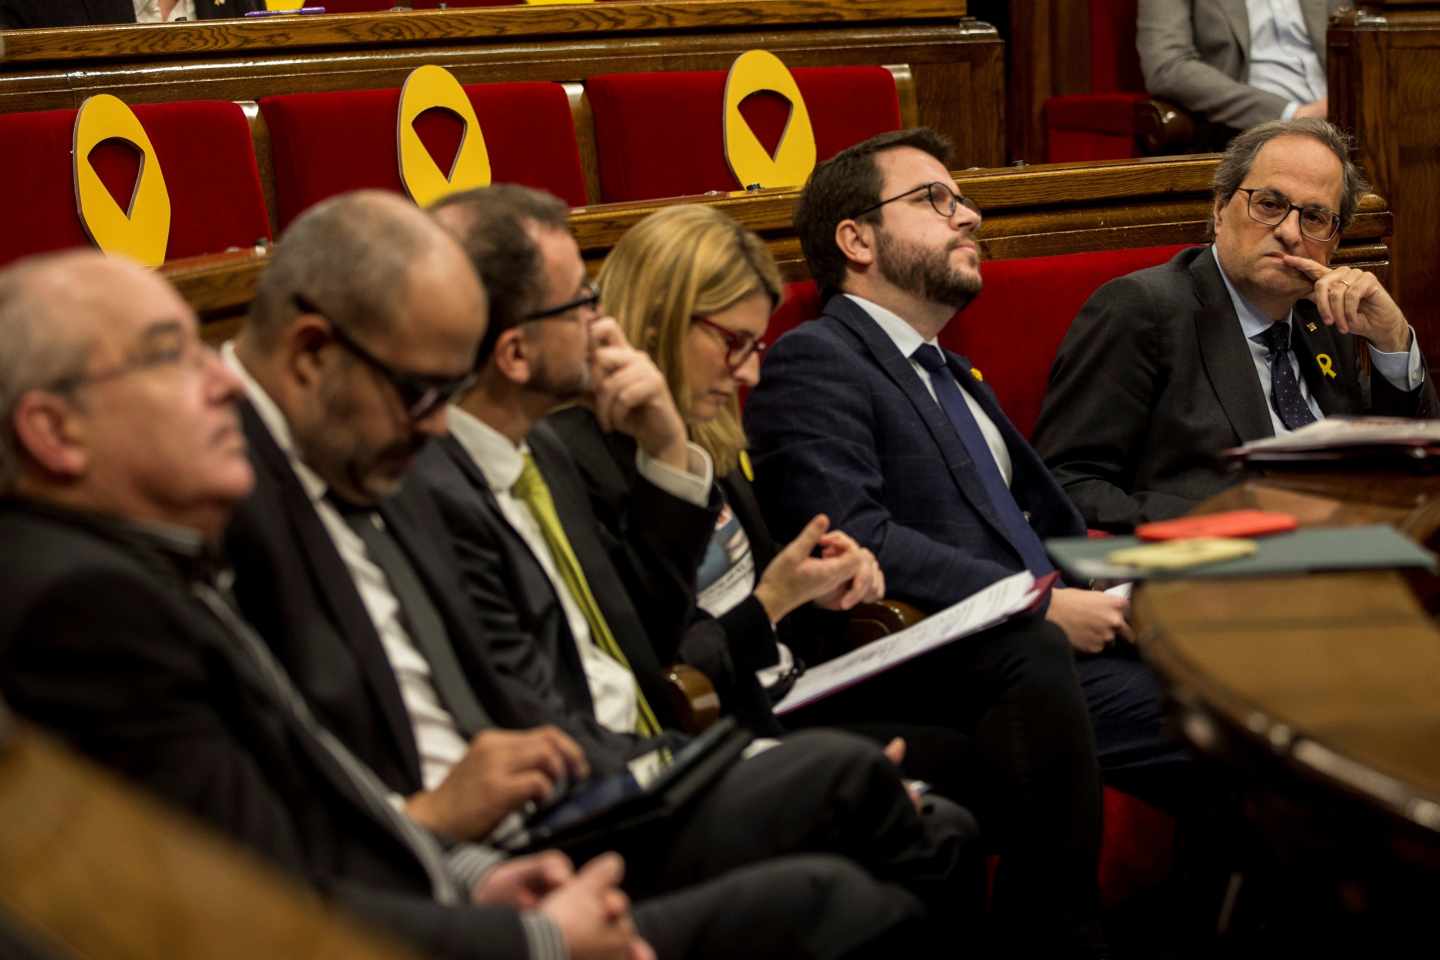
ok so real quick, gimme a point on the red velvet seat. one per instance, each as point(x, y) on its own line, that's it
point(204, 149)
point(660, 134)
point(1100, 125)
point(322, 144)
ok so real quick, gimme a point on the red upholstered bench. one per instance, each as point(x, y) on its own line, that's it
point(661, 134)
point(204, 149)
point(1012, 330)
point(1011, 333)
point(322, 144)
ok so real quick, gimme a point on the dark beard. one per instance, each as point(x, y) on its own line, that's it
point(925, 273)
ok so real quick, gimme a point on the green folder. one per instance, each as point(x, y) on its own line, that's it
point(1376, 546)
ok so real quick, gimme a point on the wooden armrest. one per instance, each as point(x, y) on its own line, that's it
point(871, 621)
point(693, 700)
point(1163, 128)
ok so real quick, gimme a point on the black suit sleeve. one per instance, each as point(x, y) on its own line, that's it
point(1103, 388)
point(102, 659)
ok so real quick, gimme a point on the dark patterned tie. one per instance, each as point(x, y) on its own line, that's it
point(1017, 529)
point(1284, 388)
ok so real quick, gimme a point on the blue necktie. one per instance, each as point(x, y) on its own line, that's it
point(1284, 388)
point(1017, 529)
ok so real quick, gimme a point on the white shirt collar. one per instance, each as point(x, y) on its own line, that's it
point(1252, 321)
point(498, 459)
point(274, 420)
point(905, 337)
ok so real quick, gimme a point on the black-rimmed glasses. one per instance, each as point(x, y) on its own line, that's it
point(589, 297)
point(1271, 207)
point(420, 393)
point(942, 198)
point(739, 347)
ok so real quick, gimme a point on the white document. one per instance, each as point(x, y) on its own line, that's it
point(1334, 433)
point(997, 602)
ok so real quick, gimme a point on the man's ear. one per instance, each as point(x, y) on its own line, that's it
point(50, 434)
point(1217, 212)
point(856, 240)
point(514, 355)
point(305, 341)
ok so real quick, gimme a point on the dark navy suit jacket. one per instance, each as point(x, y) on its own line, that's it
point(841, 423)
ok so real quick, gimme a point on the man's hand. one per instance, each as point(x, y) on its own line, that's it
point(1353, 301)
point(1091, 620)
point(795, 577)
point(500, 772)
point(1318, 109)
point(866, 586)
point(631, 395)
point(593, 914)
point(524, 882)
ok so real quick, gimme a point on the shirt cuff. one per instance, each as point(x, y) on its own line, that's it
point(469, 862)
point(1404, 369)
point(691, 484)
point(1289, 112)
point(543, 937)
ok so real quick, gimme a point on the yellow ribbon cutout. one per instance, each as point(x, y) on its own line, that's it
point(1327, 366)
point(426, 87)
point(975, 372)
point(142, 230)
point(755, 71)
point(284, 4)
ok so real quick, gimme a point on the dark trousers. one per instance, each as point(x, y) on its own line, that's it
point(1008, 708)
point(822, 792)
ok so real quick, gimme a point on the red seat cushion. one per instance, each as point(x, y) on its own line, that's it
point(661, 134)
point(323, 144)
point(1012, 330)
point(1100, 124)
point(203, 147)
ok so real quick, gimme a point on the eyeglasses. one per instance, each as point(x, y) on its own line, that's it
point(589, 297)
point(942, 198)
point(420, 393)
point(163, 345)
point(739, 347)
point(1271, 207)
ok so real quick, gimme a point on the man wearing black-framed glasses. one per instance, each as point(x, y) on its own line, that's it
point(1253, 336)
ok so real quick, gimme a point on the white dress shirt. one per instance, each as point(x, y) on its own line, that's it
point(1402, 369)
point(1282, 61)
point(148, 11)
point(907, 340)
point(437, 739)
point(613, 687)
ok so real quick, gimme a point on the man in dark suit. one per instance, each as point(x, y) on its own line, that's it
point(1168, 366)
point(861, 415)
point(353, 349)
point(86, 13)
point(121, 459)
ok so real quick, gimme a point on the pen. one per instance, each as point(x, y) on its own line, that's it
point(284, 13)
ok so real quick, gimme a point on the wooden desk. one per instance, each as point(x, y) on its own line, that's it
point(1329, 679)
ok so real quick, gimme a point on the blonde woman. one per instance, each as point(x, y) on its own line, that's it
point(696, 290)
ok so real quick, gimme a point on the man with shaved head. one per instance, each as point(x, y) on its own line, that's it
point(365, 325)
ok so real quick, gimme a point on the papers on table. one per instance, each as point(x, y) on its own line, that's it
point(1343, 438)
point(980, 611)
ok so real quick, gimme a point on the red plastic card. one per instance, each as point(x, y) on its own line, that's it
point(1235, 523)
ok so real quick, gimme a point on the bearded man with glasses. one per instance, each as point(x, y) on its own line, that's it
point(1253, 336)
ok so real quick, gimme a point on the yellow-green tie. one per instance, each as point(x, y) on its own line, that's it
point(533, 491)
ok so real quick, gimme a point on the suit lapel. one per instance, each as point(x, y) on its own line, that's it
point(525, 573)
point(1239, 24)
point(907, 378)
point(335, 587)
point(572, 504)
point(1319, 350)
point(1224, 354)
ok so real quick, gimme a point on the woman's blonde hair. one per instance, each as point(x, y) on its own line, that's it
point(678, 263)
